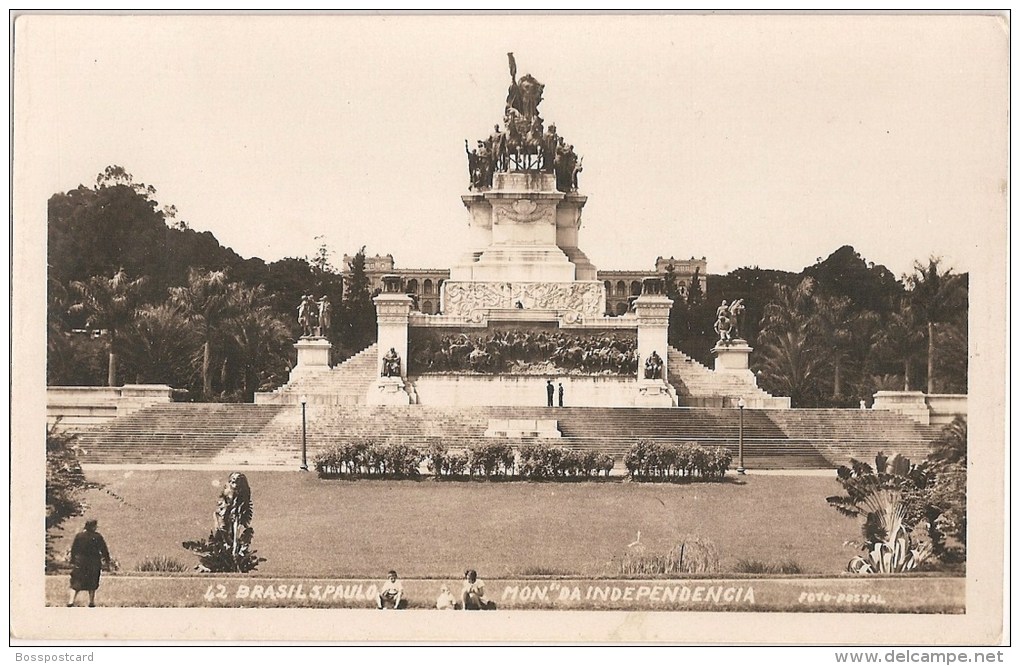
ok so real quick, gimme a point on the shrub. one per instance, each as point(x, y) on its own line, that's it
point(693, 555)
point(890, 500)
point(759, 567)
point(490, 459)
point(365, 458)
point(161, 563)
point(651, 460)
point(539, 460)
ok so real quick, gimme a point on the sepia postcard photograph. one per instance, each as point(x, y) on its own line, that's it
point(625, 328)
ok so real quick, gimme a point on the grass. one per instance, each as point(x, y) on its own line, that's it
point(306, 526)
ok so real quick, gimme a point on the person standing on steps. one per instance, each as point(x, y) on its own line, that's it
point(559, 392)
point(549, 391)
point(88, 556)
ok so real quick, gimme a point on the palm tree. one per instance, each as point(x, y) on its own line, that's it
point(788, 356)
point(206, 301)
point(161, 344)
point(831, 322)
point(258, 338)
point(109, 304)
point(790, 365)
point(935, 296)
point(902, 339)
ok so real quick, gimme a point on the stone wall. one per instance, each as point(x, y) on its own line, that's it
point(478, 390)
point(83, 407)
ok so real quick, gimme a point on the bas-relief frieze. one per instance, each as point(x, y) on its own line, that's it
point(584, 298)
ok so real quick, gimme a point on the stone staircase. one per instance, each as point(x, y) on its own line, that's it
point(841, 434)
point(175, 433)
point(234, 434)
point(346, 384)
point(699, 386)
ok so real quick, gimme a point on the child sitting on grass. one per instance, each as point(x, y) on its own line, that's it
point(392, 592)
point(473, 594)
point(446, 600)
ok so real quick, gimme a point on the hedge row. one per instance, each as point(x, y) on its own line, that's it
point(651, 460)
point(495, 459)
point(647, 460)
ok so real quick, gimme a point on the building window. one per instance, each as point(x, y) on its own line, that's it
point(427, 286)
point(621, 309)
point(427, 307)
point(635, 288)
point(412, 286)
point(621, 289)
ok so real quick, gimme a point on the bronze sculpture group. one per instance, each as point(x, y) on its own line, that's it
point(728, 320)
point(524, 144)
point(525, 352)
point(314, 316)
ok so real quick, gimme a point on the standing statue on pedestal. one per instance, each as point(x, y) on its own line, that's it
point(307, 316)
point(324, 317)
point(653, 366)
point(391, 363)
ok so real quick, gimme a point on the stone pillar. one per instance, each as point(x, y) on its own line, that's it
point(652, 308)
point(392, 307)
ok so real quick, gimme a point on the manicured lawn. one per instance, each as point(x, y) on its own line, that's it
point(306, 526)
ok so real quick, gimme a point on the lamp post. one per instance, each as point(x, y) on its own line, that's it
point(304, 436)
point(740, 436)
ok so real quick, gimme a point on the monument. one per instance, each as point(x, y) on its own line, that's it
point(524, 302)
point(522, 305)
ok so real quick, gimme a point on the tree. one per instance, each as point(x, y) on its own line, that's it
point(790, 357)
point(695, 295)
point(65, 485)
point(846, 274)
point(160, 346)
point(901, 340)
point(109, 304)
point(948, 494)
point(358, 321)
point(831, 322)
point(258, 338)
point(678, 312)
point(935, 296)
point(206, 301)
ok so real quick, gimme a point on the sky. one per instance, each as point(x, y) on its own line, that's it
point(748, 140)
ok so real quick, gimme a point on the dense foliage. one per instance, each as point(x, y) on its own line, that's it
point(844, 328)
point(65, 486)
point(363, 458)
point(649, 460)
point(135, 295)
point(909, 512)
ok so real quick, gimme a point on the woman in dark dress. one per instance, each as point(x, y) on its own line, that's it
point(88, 556)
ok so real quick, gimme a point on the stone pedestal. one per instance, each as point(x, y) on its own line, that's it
point(908, 403)
point(732, 358)
point(388, 391)
point(392, 312)
point(312, 355)
point(523, 230)
point(653, 393)
point(652, 309)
